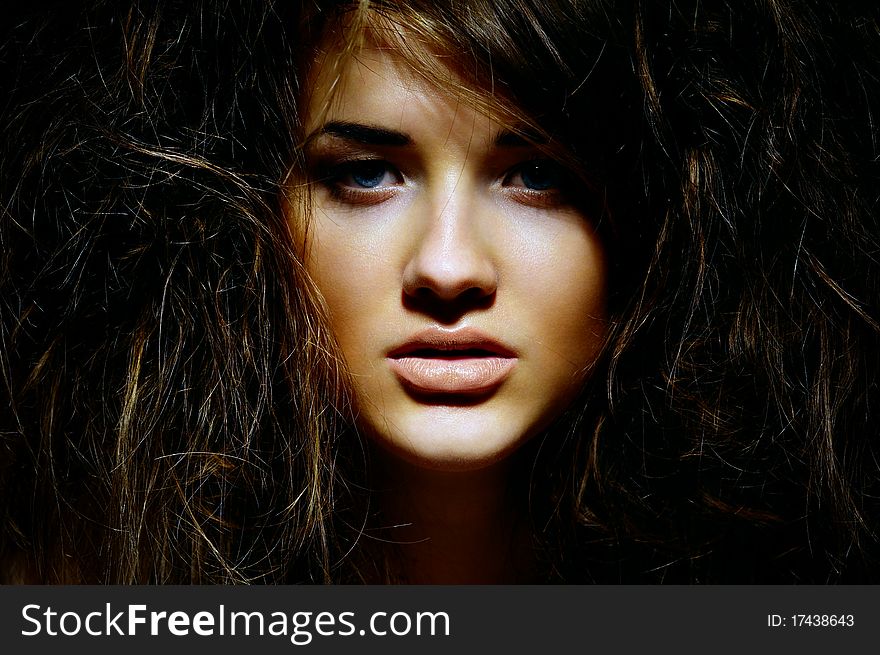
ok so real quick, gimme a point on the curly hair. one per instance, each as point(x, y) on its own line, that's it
point(170, 392)
point(178, 409)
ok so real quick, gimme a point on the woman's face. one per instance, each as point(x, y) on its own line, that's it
point(465, 288)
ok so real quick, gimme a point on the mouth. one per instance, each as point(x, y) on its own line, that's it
point(461, 363)
point(450, 353)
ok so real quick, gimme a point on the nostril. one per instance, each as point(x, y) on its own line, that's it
point(476, 294)
point(448, 264)
point(448, 310)
point(470, 294)
point(451, 283)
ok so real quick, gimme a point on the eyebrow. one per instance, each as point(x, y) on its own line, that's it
point(364, 134)
point(508, 139)
point(378, 136)
point(520, 139)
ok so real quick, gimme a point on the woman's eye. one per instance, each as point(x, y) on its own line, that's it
point(539, 183)
point(539, 175)
point(359, 182)
point(366, 174)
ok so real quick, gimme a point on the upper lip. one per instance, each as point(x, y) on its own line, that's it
point(437, 342)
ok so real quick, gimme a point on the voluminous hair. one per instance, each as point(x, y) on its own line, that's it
point(178, 412)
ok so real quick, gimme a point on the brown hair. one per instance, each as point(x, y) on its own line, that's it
point(176, 409)
point(171, 392)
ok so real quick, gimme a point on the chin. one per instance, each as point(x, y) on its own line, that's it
point(450, 439)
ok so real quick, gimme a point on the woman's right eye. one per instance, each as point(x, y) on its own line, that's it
point(360, 181)
point(357, 181)
point(364, 174)
point(367, 174)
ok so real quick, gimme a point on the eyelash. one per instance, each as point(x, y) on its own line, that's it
point(555, 195)
point(333, 178)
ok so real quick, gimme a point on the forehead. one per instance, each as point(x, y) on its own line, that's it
point(378, 85)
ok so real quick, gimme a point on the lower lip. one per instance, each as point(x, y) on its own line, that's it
point(463, 376)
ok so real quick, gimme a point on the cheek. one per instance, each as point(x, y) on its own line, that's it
point(574, 320)
point(352, 282)
point(339, 265)
point(579, 294)
point(564, 289)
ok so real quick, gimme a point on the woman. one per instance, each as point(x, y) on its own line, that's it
point(477, 292)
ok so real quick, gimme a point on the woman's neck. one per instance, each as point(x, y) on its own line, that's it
point(455, 527)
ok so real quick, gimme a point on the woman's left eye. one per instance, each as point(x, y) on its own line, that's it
point(537, 175)
point(540, 183)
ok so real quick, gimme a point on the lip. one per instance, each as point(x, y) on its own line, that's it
point(462, 362)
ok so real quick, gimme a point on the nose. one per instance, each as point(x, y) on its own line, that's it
point(451, 259)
